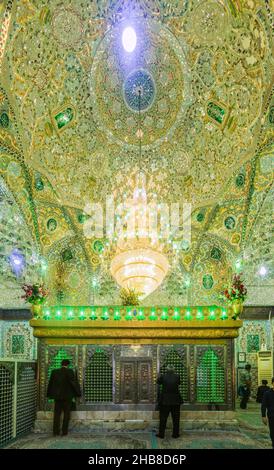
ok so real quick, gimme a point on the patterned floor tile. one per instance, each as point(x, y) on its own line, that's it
point(252, 434)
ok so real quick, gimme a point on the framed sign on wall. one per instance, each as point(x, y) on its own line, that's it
point(241, 357)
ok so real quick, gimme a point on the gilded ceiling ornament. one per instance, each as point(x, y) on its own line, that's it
point(67, 27)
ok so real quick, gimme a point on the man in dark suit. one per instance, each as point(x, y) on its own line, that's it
point(245, 386)
point(261, 391)
point(169, 401)
point(268, 408)
point(63, 387)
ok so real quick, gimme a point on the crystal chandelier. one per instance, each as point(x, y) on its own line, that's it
point(140, 261)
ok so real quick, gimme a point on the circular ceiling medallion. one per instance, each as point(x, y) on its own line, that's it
point(209, 21)
point(67, 27)
point(139, 90)
point(158, 70)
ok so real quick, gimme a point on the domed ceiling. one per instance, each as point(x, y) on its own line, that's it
point(69, 135)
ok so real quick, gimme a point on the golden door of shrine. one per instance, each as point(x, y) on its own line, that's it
point(136, 381)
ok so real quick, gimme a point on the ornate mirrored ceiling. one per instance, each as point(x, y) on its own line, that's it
point(69, 132)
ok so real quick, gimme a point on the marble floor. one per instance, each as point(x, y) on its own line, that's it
point(251, 434)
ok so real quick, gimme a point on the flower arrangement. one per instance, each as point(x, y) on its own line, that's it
point(35, 294)
point(129, 296)
point(237, 291)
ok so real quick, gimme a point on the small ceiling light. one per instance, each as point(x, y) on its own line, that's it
point(17, 262)
point(262, 271)
point(238, 264)
point(94, 282)
point(187, 282)
point(129, 39)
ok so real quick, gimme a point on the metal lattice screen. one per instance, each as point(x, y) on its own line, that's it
point(26, 398)
point(99, 378)
point(205, 371)
point(18, 398)
point(6, 403)
point(176, 358)
point(210, 377)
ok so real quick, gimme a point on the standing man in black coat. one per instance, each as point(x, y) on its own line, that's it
point(268, 405)
point(63, 387)
point(169, 401)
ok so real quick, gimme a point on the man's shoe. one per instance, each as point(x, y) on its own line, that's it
point(176, 437)
point(64, 433)
point(159, 435)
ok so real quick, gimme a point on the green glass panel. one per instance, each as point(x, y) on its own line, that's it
point(208, 281)
point(4, 120)
point(253, 343)
point(216, 253)
point(17, 344)
point(99, 378)
point(64, 118)
point(215, 112)
point(210, 383)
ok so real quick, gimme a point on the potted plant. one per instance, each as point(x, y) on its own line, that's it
point(235, 295)
point(129, 296)
point(36, 295)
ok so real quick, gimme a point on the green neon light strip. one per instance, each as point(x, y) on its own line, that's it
point(120, 313)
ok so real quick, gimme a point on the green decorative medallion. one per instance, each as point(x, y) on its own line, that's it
point(51, 225)
point(200, 217)
point(67, 255)
point(208, 281)
point(39, 185)
point(216, 112)
point(63, 118)
point(230, 223)
point(240, 180)
point(82, 218)
point(4, 120)
point(216, 253)
point(98, 246)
